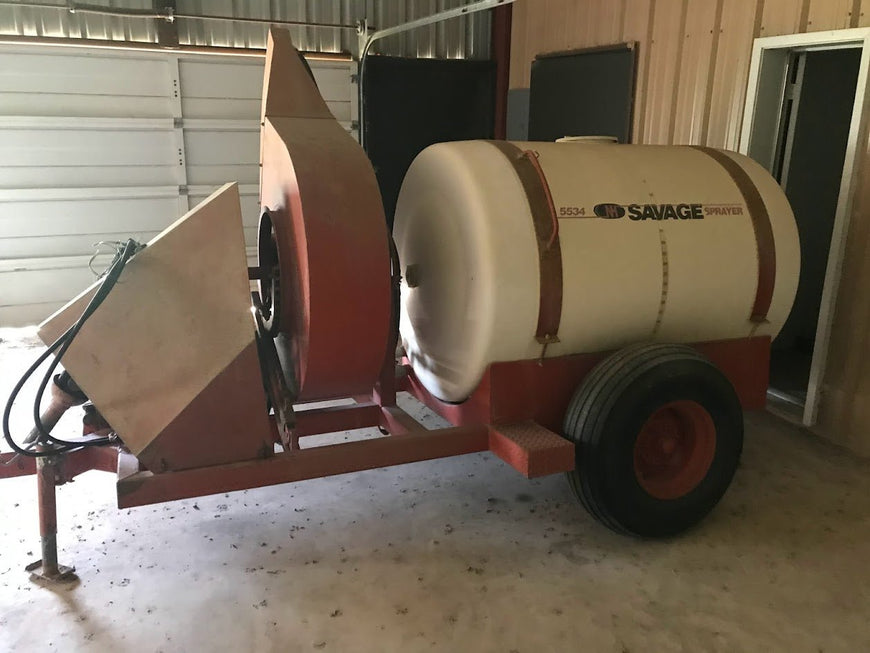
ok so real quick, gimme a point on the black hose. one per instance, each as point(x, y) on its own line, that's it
point(9, 403)
point(111, 277)
point(62, 344)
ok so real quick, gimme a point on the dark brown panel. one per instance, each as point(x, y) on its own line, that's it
point(763, 231)
point(526, 165)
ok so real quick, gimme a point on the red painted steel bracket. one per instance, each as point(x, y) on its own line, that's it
point(69, 465)
point(531, 449)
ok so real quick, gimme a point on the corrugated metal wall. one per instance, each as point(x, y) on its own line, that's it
point(458, 38)
point(466, 37)
point(693, 58)
point(693, 66)
point(27, 21)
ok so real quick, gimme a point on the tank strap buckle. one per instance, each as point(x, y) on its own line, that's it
point(545, 341)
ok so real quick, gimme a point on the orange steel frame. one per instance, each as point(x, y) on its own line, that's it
point(532, 394)
point(540, 390)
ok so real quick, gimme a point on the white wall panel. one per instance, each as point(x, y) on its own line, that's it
point(221, 79)
point(84, 72)
point(66, 227)
point(36, 148)
point(109, 144)
point(219, 108)
point(47, 282)
point(84, 175)
point(222, 147)
point(80, 104)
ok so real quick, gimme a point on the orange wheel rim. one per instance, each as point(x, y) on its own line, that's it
point(674, 449)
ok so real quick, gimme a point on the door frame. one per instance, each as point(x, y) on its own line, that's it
point(767, 82)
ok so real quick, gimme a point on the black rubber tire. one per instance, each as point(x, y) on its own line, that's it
point(606, 415)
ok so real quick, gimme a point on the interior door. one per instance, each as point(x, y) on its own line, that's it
point(818, 104)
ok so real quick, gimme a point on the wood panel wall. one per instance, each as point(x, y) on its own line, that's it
point(693, 67)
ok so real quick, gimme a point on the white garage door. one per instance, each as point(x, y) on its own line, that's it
point(99, 144)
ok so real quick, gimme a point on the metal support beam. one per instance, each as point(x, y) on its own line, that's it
point(397, 422)
point(13, 464)
point(72, 464)
point(315, 421)
point(47, 568)
point(144, 488)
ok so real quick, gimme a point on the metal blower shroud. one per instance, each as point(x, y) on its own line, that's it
point(323, 208)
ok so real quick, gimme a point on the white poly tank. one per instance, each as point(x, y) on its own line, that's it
point(657, 244)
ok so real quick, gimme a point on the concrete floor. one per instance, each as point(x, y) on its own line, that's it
point(453, 555)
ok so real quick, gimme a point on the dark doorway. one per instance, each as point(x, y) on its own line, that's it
point(583, 93)
point(413, 103)
point(809, 159)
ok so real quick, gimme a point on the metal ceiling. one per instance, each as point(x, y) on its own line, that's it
point(465, 37)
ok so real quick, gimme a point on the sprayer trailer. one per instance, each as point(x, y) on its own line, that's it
point(580, 307)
